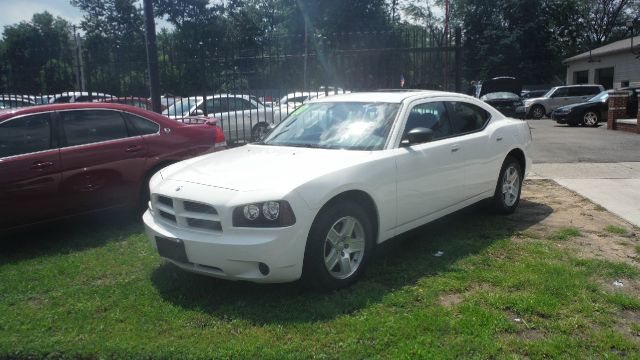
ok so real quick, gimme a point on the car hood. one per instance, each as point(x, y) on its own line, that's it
point(256, 167)
point(501, 84)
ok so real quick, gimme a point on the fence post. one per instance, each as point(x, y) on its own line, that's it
point(458, 45)
point(152, 55)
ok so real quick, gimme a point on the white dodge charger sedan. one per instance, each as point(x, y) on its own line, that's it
point(338, 176)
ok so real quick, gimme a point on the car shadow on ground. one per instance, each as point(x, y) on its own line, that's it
point(68, 235)
point(399, 262)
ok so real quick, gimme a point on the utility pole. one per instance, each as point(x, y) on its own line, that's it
point(81, 83)
point(306, 53)
point(152, 55)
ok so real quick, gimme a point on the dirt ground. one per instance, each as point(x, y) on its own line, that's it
point(549, 208)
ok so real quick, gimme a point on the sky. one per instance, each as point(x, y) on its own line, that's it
point(15, 11)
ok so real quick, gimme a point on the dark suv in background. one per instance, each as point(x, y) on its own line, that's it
point(560, 96)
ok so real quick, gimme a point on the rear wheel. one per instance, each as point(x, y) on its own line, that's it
point(507, 194)
point(259, 131)
point(590, 118)
point(339, 246)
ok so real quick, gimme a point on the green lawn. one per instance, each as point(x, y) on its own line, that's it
point(92, 289)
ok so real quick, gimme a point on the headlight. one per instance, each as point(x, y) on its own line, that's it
point(264, 214)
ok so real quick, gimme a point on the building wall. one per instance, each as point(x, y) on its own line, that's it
point(626, 67)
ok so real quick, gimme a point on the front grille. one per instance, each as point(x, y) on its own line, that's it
point(168, 216)
point(204, 224)
point(187, 214)
point(165, 200)
point(198, 207)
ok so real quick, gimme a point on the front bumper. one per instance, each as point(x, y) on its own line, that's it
point(565, 118)
point(237, 253)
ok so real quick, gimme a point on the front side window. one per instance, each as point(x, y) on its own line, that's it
point(336, 125)
point(92, 126)
point(466, 117)
point(431, 116)
point(25, 135)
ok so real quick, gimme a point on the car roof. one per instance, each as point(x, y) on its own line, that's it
point(389, 96)
point(9, 113)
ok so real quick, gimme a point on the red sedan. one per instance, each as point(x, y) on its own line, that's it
point(68, 159)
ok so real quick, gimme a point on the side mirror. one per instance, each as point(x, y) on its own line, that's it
point(199, 112)
point(419, 135)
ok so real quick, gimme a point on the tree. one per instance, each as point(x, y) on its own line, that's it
point(114, 44)
point(38, 55)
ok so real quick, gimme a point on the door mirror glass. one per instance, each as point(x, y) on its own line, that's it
point(419, 135)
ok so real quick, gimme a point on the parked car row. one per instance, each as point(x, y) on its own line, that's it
point(351, 171)
point(594, 110)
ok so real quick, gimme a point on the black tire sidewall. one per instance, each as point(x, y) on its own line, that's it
point(498, 202)
point(315, 273)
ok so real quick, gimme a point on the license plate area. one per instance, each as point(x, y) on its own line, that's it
point(172, 249)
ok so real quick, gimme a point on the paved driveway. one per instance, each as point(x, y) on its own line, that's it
point(553, 143)
point(599, 164)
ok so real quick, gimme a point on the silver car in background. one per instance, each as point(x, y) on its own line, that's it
point(560, 96)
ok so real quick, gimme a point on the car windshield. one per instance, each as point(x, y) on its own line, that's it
point(500, 96)
point(603, 96)
point(181, 108)
point(548, 94)
point(336, 125)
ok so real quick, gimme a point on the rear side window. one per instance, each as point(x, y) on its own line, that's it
point(91, 126)
point(466, 117)
point(25, 135)
point(142, 126)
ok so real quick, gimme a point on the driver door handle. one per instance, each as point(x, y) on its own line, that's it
point(455, 148)
point(39, 165)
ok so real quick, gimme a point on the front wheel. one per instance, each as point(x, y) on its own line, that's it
point(537, 112)
point(507, 194)
point(590, 118)
point(339, 246)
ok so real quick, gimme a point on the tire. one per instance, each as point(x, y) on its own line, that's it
point(507, 194)
point(334, 259)
point(590, 118)
point(537, 112)
point(259, 131)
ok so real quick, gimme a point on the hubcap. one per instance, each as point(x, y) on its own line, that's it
point(590, 118)
point(344, 247)
point(510, 186)
point(538, 112)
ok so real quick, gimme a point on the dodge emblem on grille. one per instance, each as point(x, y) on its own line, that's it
point(179, 188)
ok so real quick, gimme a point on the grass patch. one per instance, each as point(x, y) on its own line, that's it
point(98, 290)
point(613, 229)
point(565, 234)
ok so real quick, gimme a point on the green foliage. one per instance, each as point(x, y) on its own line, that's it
point(565, 234)
point(97, 289)
point(37, 55)
point(616, 229)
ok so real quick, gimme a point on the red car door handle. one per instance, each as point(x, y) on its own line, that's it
point(133, 148)
point(39, 165)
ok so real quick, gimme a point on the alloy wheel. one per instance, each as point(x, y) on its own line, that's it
point(510, 186)
point(344, 247)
